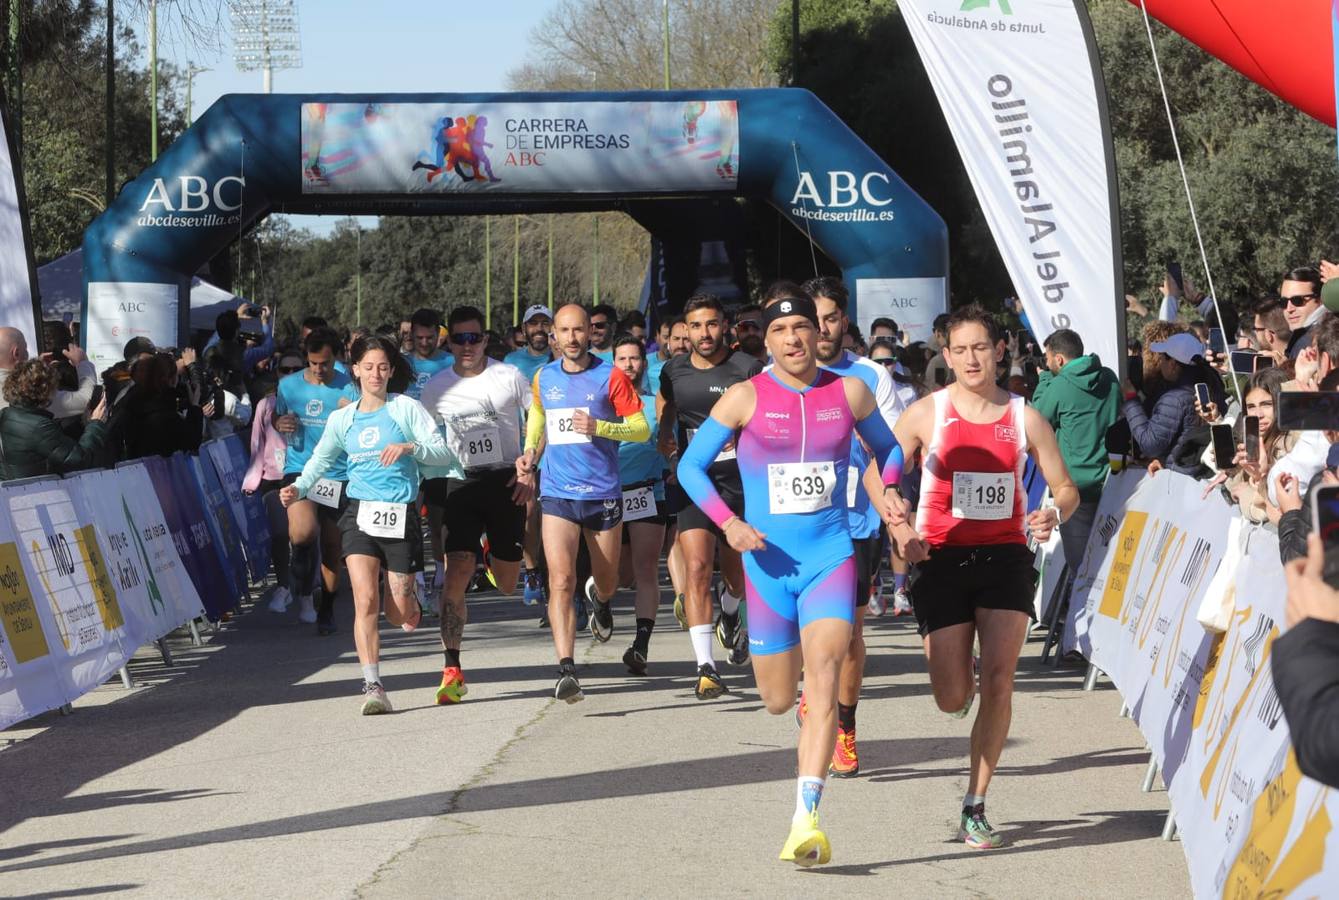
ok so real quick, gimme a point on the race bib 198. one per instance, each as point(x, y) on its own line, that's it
point(800, 487)
point(480, 447)
point(983, 496)
point(560, 428)
point(326, 493)
point(639, 503)
point(383, 520)
point(724, 456)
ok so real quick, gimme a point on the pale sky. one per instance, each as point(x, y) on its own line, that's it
point(383, 45)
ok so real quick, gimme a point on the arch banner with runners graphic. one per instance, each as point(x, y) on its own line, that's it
point(643, 153)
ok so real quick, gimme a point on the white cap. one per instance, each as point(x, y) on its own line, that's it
point(535, 311)
point(1181, 347)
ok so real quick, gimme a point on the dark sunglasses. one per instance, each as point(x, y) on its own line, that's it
point(888, 361)
point(600, 325)
point(1300, 299)
point(467, 338)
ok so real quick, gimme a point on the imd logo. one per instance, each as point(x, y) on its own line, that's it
point(315, 408)
point(368, 437)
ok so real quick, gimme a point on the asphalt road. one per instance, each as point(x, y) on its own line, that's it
point(245, 770)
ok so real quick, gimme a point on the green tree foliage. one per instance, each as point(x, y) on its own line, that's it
point(1258, 168)
point(64, 127)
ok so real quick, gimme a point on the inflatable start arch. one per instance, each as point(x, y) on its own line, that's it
point(645, 153)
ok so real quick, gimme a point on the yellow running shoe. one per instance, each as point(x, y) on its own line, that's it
point(453, 688)
point(807, 845)
point(679, 612)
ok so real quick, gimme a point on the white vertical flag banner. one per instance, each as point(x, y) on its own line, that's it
point(17, 274)
point(1021, 87)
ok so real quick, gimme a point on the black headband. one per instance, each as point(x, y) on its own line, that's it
point(789, 306)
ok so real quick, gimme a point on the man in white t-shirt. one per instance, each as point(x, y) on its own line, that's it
point(480, 404)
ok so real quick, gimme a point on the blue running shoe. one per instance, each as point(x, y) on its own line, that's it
point(534, 589)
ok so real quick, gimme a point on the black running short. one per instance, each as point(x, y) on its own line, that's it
point(949, 587)
point(868, 557)
point(691, 517)
point(403, 555)
point(477, 506)
point(324, 513)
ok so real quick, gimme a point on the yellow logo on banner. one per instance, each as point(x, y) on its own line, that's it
point(1207, 776)
point(1258, 871)
point(1127, 546)
point(18, 613)
point(1167, 557)
point(98, 578)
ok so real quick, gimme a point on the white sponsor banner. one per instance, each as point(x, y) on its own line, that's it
point(1093, 568)
point(16, 287)
point(1023, 99)
point(30, 678)
point(66, 568)
point(154, 543)
point(912, 303)
point(121, 310)
point(464, 147)
point(1250, 824)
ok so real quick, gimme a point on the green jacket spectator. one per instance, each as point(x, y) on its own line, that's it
point(1081, 401)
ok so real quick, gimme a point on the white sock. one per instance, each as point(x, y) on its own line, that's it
point(729, 602)
point(808, 792)
point(372, 673)
point(970, 800)
point(703, 642)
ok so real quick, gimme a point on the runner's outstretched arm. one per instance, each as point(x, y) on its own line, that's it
point(709, 441)
point(328, 449)
point(887, 451)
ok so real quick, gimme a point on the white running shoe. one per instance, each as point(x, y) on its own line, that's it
point(902, 603)
point(280, 600)
point(306, 611)
point(877, 602)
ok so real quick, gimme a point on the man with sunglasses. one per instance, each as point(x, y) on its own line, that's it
point(748, 332)
point(1300, 295)
point(480, 404)
point(602, 320)
point(1270, 330)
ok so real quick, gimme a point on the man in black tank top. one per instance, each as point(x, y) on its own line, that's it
point(690, 385)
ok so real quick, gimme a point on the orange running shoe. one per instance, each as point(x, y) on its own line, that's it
point(845, 761)
point(453, 688)
point(801, 710)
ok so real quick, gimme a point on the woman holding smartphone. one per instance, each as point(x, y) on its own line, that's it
point(387, 437)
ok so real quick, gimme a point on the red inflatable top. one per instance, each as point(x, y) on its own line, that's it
point(1283, 45)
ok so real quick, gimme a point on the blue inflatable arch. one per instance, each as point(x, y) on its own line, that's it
point(436, 154)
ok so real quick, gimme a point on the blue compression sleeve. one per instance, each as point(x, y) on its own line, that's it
point(710, 439)
point(887, 451)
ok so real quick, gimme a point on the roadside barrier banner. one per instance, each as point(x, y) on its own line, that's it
point(228, 539)
point(95, 565)
point(229, 461)
point(1250, 823)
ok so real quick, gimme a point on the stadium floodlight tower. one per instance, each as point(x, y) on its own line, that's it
point(266, 37)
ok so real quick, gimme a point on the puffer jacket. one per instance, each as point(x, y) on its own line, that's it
point(1172, 430)
point(32, 443)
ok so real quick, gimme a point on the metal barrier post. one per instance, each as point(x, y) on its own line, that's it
point(195, 634)
point(126, 681)
point(1090, 680)
point(1151, 775)
point(166, 653)
point(1169, 827)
